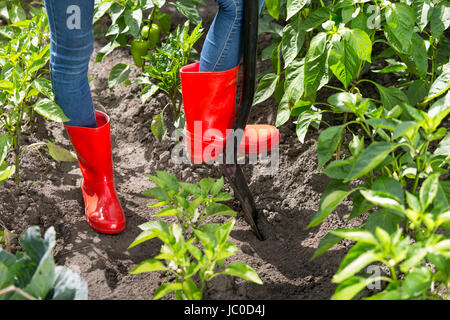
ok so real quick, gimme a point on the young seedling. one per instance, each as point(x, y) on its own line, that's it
point(193, 252)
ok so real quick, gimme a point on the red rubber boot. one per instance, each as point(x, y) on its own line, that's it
point(209, 100)
point(93, 147)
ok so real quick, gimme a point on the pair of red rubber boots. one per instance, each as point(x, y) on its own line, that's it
point(209, 105)
point(209, 100)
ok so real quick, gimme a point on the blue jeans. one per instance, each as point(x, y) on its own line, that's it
point(71, 46)
point(224, 43)
point(72, 40)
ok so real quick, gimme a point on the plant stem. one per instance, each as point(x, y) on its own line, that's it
point(393, 274)
point(338, 152)
point(18, 128)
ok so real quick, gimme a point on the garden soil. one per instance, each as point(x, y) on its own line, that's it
point(49, 195)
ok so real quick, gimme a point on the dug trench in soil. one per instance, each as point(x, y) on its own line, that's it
point(49, 195)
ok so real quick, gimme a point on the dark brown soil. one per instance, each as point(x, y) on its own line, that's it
point(49, 195)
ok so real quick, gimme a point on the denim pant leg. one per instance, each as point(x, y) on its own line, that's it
point(224, 43)
point(71, 46)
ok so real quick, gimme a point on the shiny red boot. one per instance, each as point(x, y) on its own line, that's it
point(93, 147)
point(209, 100)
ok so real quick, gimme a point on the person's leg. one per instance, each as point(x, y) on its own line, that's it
point(71, 46)
point(89, 130)
point(224, 43)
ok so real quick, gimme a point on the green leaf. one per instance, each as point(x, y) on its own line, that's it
point(416, 282)
point(405, 128)
point(158, 126)
point(223, 196)
point(389, 185)
point(382, 218)
point(219, 209)
point(5, 144)
point(266, 87)
point(6, 85)
point(327, 143)
point(360, 41)
point(294, 6)
point(133, 19)
point(50, 110)
point(414, 257)
point(188, 9)
point(316, 64)
point(326, 243)
point(382, 199)
point(68, 285)
point(156, 193)
point(360, 204)
point(243, 271)
point(417, 91)
point(169, 181)
point(60, 154)
point(101, 9)
point(6, 171)
point(339, 169)
point(316, 18)
point(399, 26)
point(40, 251)
point(217, 186)
point(166, 212)
point(343, 62)
point(283, 113)
point(443, 149)
point(273, 6)
point(43, 277)
point(421, 9)
point(439, 110)
point(206, 184)
point(293, 84)
point(305, 119)
point(344, 101)
point(191, 188)
point(390, 97)
point(223, 232)
point(107, 49)
point(363, 260)
point(350, 288)
point(119, 73)
point(44, 86)
point(292, 41)
point(440, 19)
point(142, 237)
point(413, 202)
point(148, 266)
point(356, 235)
point(429, 190)
point(382, 123)
point(165, 289)
point(441, 84)
point(419, 55)
point(207, 237)
point(333, 195)
point(371, 157)
point(191, 290)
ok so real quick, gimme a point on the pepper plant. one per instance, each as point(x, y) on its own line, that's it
point(24, 84)
point(162, 73)
point(388, 152)
point(193, 251)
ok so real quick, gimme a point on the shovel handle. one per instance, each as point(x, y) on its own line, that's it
point(251, 13)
